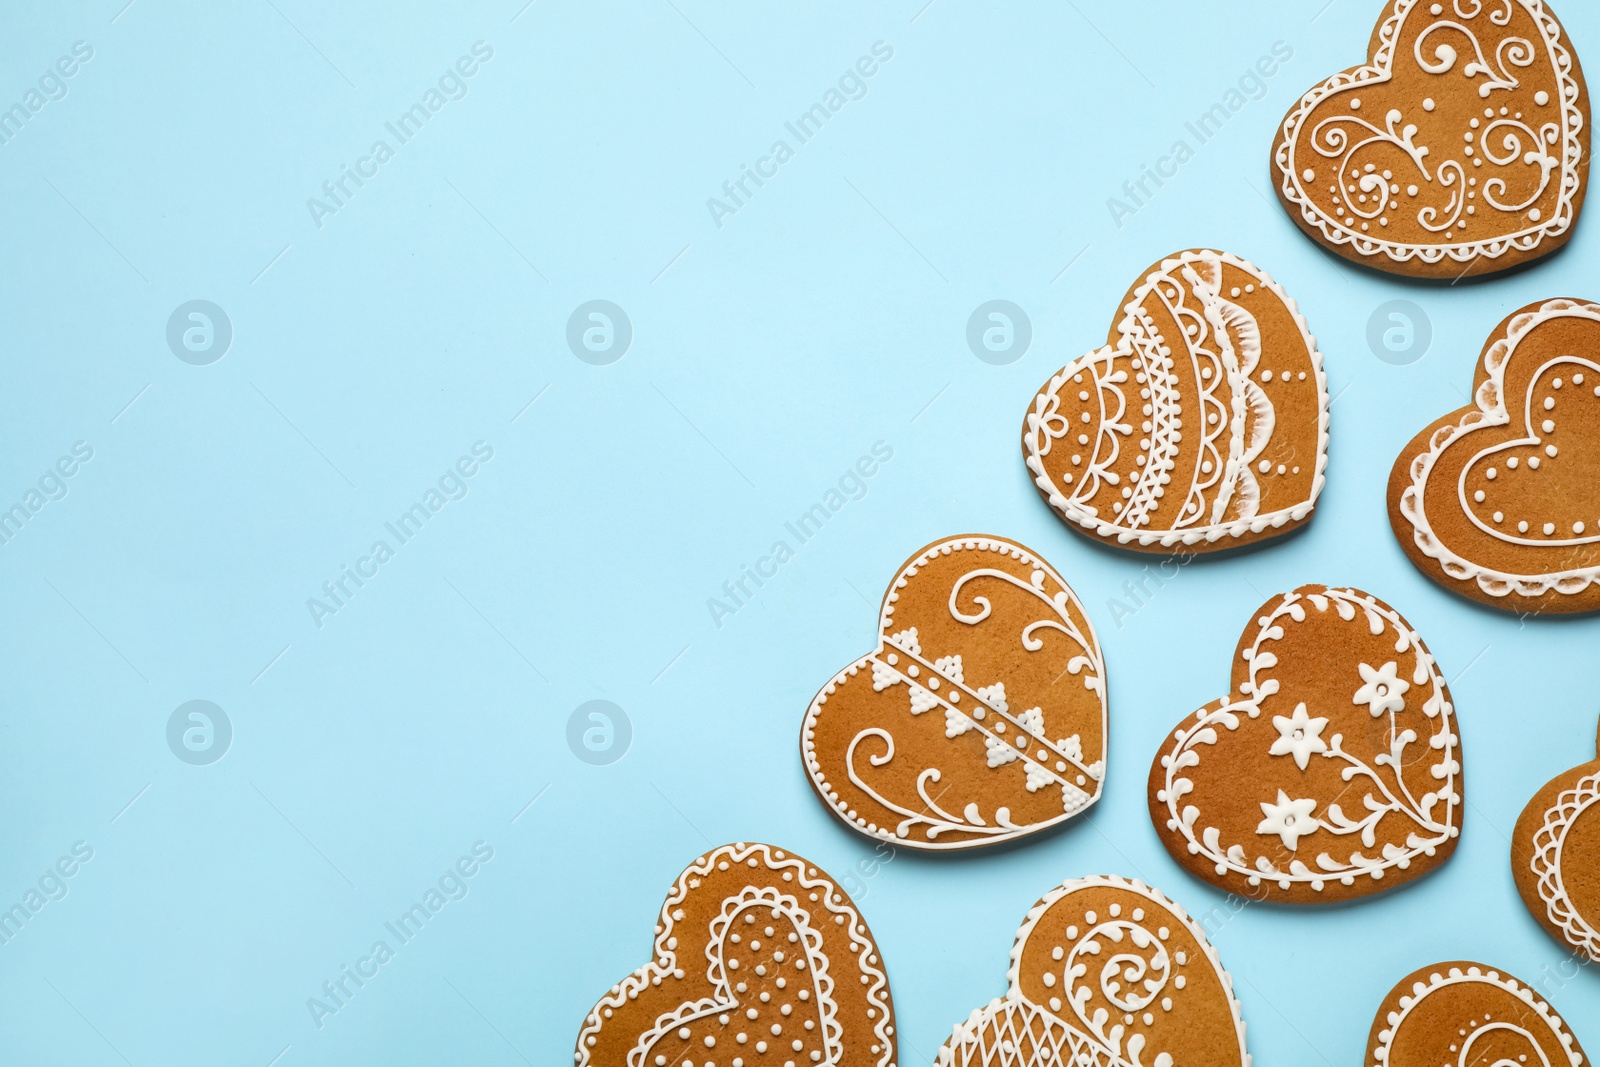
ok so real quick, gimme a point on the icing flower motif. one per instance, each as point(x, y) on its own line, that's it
point(1299, 734)
point(1289, 819)
point(1382, 689)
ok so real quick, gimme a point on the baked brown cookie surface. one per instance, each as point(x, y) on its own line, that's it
point(1331, 770)
point(1106, 971)
point(760, 958)
point(1468, 1014)
point(1459, 148)
point(1555, 857)
point(980, 717)
point(1499, 501)
point(1201, 425)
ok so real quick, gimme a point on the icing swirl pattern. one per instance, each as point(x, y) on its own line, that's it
point(1459, 147)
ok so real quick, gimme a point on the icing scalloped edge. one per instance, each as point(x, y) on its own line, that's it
point(1378, 71)
point(1490, 410)
point(1076, 513)
point(1474, 972)
point(1546, 863)
point(774, 859)
point(807, 730)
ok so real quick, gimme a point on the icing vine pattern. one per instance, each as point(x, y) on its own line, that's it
point(1058, 764)
point(1421, 177)
point(1414, 713)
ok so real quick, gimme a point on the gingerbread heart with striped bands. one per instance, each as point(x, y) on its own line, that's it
point(1201, 425)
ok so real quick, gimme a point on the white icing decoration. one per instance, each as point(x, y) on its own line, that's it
point(1112, 973)
point(1387, 793)
point(1381, 690)
point(1140, 404)
point(923, 821)
point(1490, 410)
point(1506, 142)
point(817, 993)
point(1288, 818)
point(1577, 930)
point(1299, 735)
point(1496, 1026)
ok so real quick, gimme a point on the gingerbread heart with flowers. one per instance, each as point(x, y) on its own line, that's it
point(1331, 770)
point(760, 958)
point(1500, 500)
point(1460, 147)
point(980, 717)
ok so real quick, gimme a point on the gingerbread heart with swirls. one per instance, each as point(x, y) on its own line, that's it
point(759, 957)
point(1555, 857)
point(980, 717)
point(1109, 972)
point(1460, 147)
point(1500, 500)
point(1201, 425)
point(1461, 1014)
point(1331, 770)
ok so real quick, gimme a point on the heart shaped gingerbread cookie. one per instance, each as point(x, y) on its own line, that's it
point(1462, 1014)
point(1332, 768)
point(1459, 148)
point(980, 716)
point(1555, 857)
point(1500, 500)
point(1201, 425)
point(759, 957)
point(1106, 971)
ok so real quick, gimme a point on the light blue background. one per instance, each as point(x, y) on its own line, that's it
point(768, 354)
